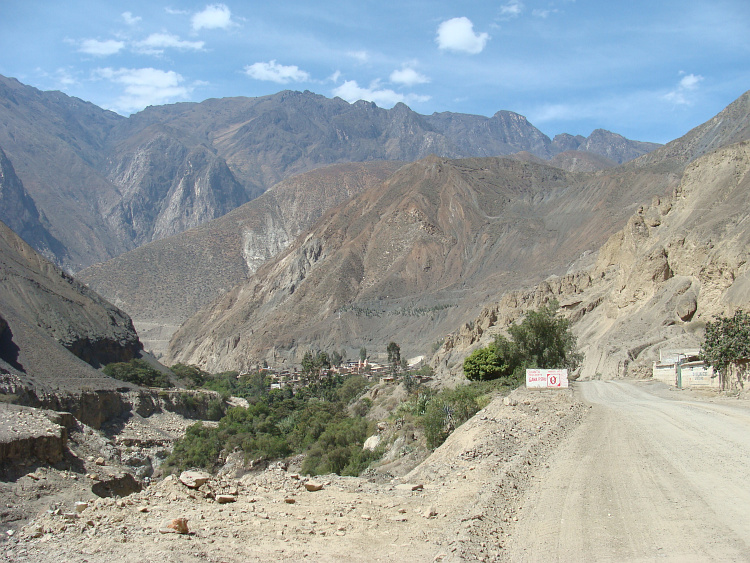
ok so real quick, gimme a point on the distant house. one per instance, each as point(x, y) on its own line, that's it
point(683, 368)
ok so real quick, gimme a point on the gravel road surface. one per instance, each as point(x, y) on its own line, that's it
point(649, 475)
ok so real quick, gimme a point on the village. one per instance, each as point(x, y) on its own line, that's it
point(372, 371)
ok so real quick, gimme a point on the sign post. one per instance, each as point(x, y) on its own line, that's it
point(546, 378)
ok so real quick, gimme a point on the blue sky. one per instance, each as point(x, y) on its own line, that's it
point(650, 70)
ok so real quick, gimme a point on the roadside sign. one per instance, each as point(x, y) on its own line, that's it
point(547, 378)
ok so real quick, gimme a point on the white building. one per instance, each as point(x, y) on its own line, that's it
point(684, 368)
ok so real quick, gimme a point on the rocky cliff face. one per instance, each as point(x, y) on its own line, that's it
point(677, 263)
point(20, 213)
point(54, 328)
point(167, 187)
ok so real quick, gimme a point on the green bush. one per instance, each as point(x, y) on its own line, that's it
point(138, 372)
point(542, 340)
point(278, 424)
point(215, 409)
point(443, 412)
point(199, 447)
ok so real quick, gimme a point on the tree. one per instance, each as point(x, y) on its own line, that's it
point(394, 356)
point(139, 372)
point(542, 340)
point(312, 364)
point(362, 354)
point(336, 358)
point(726, 341)
point(484, 364)
point(193, 374)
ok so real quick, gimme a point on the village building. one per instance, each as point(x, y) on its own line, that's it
point(684, 369)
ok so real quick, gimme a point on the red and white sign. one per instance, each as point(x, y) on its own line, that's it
point(547, 378)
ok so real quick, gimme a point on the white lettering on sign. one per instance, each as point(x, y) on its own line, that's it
point(546, 378)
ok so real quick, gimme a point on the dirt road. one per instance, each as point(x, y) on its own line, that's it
point(650, 474)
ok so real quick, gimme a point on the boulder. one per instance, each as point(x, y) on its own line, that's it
point(194, 479)
point(175, 526)
point(371, 443)
point(120, 485)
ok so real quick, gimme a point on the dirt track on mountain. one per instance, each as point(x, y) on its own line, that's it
point(650, 474)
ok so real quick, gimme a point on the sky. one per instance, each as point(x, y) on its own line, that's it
point(650, 70)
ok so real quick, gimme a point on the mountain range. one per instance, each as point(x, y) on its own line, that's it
point(102, 184)
point(424, 251)
point(267, 227)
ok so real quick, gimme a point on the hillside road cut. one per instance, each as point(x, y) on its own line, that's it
point(650, 475)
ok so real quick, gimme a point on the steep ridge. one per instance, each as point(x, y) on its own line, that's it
point(19, 212)
point(406, 260)
point(56, 145)
point(678, 262)
point(167, 187)
point(53, 328)
point(163, 283)
point(107, 184)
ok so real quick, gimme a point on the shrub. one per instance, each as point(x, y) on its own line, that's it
point(138, 372)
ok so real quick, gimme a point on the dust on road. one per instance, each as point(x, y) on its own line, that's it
point(650, 474)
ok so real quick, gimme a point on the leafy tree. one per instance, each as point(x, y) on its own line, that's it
point(484, 364)
point(139, 372)
point(542, 340)
point(336, 358)
point(726, 341)
point(312, 364)
point(362, 354)
point(394, 356)
point(194, 375)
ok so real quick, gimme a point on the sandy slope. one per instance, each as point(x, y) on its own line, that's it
point(650, 474)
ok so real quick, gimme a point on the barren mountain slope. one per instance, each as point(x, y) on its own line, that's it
point(19, 212)
point(676, 264)
point(51, 325)
point(408, 260)
point(56, 145)
point(163, 283)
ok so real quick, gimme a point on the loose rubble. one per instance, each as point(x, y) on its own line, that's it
point(460, 504)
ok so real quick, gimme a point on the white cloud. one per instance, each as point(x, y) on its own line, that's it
point(361, 56)
point(690, 81)
point(408, 77)
point(511, 9)
point(335, 76)
point(145, 87)
point(384, 97)
point(101, 48)
point(681, 94)
point(457, 34)
point(537, 13)
point(155, 44)
point(276, 73)
point(214, 16)
point(130, 19)
point(64, 78)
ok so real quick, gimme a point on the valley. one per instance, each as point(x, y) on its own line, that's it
point(189, 289)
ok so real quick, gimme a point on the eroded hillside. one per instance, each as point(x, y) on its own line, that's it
point(678, 262)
